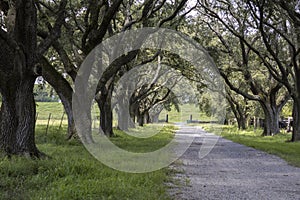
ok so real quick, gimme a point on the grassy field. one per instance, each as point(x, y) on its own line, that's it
point(184, 114)
point(277, 144)
point(56, 110)
point(72, 173)
point(44, 109)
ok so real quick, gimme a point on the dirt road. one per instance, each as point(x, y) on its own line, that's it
point(233, 171)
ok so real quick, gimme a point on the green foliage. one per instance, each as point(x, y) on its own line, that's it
point(213, 105)
point(287, 109)
point(72, 173)
point(277, 144)
point(43, 92)
point(205, 104)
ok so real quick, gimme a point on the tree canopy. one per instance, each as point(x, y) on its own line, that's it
point(255, 45)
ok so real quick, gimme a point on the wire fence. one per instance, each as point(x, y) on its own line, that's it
point(52, 120)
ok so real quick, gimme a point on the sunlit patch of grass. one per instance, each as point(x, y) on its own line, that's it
point(45, 108)
point(163, 136)
point(278, 144)
point(186, 110)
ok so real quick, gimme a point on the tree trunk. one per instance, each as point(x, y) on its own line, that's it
point(275, 120)
point(155, 112)
point(140, 118)
point(155, 117)
point(104, 103)
point(124, 116)
point(17, 63)
point(271, 123)
point(69, 111)
point(267, 124)
point(241, 123)
point(237, 111)
point(296, 92)
point(18, 118)
point(147, 117)
point(134, 110)
point(296, 105)
point(123, 121)
point(296, 121)
point(106, 116)
point(64, 91)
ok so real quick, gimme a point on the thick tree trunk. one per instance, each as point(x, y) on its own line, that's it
point(134, 113)
point(86, 126)
point(155, 117)
point(241, 123)
point(275, 120)
point(296, 92)
point(147, 119)
point(296, 106)
point(140, 119)
point(296, 121)
point(106, 116)
point(18, 119)
point(122, 125)
point(241, 119)
point(155, 112)
point(17, 63)
point(105, 107)
point(124, 119)
point(103, 99)
point(143, 118)
point(271, 123)
point(267, 125)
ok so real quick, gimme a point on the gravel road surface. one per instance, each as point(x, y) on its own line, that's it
point(232, 171)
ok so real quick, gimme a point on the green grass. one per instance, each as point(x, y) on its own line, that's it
point(56, 109)
point(278, 145)
point(185, 111)
point(72, 173)
point(153, 143)
point(44, 108)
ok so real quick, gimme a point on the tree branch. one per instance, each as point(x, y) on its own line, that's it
point(55, 31)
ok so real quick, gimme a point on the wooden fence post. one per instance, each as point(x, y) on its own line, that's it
point(61, 120)
point(49, 118)
point(36, 116)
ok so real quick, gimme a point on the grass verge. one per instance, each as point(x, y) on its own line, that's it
point(277, 145)
point(72, 173)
